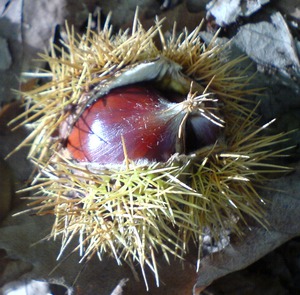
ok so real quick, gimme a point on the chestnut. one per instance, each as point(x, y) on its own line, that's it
point(141, 118)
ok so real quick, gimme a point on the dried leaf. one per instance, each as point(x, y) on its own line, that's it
point(269, 43)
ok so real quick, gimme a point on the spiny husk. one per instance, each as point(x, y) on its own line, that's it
point(135, 210)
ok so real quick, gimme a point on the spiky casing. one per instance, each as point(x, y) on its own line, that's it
point(134, 210)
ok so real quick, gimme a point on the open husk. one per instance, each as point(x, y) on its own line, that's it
point(137, 209)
